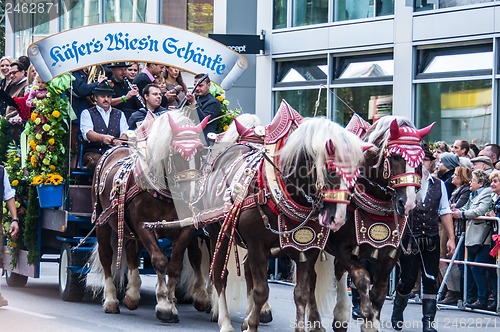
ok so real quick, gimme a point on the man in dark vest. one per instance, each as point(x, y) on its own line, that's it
point(421, 246)
point(8, 195)
point(101, 125)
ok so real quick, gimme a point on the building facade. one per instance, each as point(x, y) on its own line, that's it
point(434, 60)
point(428, 60)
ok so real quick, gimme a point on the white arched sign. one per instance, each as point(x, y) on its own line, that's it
point(145, 42)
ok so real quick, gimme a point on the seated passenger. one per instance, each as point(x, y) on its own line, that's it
point(100, 125)
point(152, 97)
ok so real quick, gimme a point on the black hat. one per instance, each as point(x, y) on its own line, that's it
point(103, 89)
point(427, 152)
point(119, 65)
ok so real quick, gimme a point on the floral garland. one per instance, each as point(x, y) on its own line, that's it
point(47, 156)
point(227, 115)
point(17, 179)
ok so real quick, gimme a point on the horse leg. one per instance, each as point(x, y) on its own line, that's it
point(219, 283)
point(103, 235)
point(200, 295)
point(379, 289)
point(132, 295)
point(159, 262)
point(266, 314)
point(361, 279)
point(257, 263)
point(342, 307)
point(304, 293)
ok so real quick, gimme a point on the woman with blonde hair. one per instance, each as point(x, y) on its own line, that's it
point(459, 197)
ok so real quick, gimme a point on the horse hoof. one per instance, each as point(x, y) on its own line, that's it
point(167, 317)
point(339, 326)
point(111, 310)
point(214, 317)
point(266, 317)
point(130, 304)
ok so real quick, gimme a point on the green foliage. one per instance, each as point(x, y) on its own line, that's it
point(4, 138)
point(31, 227)
point(227, 115)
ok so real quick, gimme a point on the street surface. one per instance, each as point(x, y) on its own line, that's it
point(37, 307)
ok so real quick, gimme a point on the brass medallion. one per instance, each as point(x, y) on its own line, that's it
point(304, 236)
point(379, 232)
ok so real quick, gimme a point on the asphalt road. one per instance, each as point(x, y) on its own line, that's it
point(37, 307)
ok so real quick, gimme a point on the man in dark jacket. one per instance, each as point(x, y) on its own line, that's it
point(204, 103)
point(152, 97)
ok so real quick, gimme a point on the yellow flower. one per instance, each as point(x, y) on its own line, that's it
point(52, 168)
point(32, 144)
point(33, 161)
point(56, 114)
point(225, 127)
point(15, 183)
point(51, 141)
point(13, 245)
point(33, 116)
point(17, 159)
point(37, 179)
point(220, 98)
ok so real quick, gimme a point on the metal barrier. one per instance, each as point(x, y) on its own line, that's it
point(452, 261)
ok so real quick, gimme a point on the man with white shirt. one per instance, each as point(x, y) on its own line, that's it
point(100, 125)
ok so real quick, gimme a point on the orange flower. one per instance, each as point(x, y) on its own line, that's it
point(33, 161)
point(33, 116)
point(51, 141)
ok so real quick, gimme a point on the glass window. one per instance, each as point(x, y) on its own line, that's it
point(370, 102)
point(356, 9)
point(477, 59)
point(312, 70)
point(83, 13)
point(125, 10)
point(364, 68)
point(420, 5)
point(29, 28)
point(306, 12)
point(279, 13)
point(462, 110)
point(303, 101)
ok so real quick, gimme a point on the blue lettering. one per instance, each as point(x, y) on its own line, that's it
point(169, 45)
point(55, 54)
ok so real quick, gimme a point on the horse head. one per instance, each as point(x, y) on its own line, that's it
point(320, 161)
point(184, 163)
point(399, 155)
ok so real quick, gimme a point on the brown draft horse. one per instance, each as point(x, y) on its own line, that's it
point(317, 162)
point(383, 196)
point(169, 163)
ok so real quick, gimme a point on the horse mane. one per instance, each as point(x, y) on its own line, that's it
point(378, 133)
point(159, 139)
point(308, 142)
point(247, 120)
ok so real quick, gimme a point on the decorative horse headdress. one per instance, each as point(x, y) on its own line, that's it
point(344, 170)
point(406, 142)
point(186, 138)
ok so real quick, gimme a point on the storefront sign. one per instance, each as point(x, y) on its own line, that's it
point(243, 44)
point(143, 42)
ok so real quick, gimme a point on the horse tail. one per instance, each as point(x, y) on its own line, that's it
point(97, 269)
point(183, 290)
point(325, 286)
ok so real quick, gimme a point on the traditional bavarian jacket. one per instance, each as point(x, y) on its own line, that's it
point(424, 218)
point(113, 128)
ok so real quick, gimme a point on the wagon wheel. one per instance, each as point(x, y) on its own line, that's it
point(15, 279)
point(71, 284)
